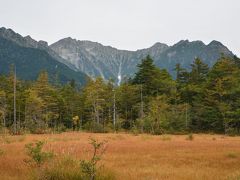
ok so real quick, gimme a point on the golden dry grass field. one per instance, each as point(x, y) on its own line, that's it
point(134, 157)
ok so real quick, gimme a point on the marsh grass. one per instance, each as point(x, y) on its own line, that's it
point(128, 158)
point(165, 137)
point(234, 176)
point(21, 138)
point(59, 169)
point(146, 137)
point(7, 139)
point(63, 139)
point(120, 137)
point(116, 137)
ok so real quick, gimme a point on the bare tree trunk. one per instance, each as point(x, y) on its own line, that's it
point(19, 118)
point(141, 111)
point(97, 113)
point(114, 110)
point(14, 102)
point(186, 116)
point(4, 120)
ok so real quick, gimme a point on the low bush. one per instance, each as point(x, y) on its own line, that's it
point(38, 156)
point(1, 152)
point(190, 137)
point(70, 169)
point(232, 132)
point(232, 155)
point(60, 169)
point(94, 127)
point(89, 167)
point(67, 168)
point(135, 130)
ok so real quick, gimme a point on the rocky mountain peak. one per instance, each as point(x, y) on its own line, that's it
point(215, 43)
point(159, 46)
point(218, 46)
point(43, 43)
point(95, 59)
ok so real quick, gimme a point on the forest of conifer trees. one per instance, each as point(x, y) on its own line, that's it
point(202, 99)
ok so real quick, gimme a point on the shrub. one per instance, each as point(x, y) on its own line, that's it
point(69, 169)
point(190, 137)
point(118, 126)
point(59, 129)
point(149, 125)
point(143, 125)
point(89, 168)
point(94, 127)
point(36, 127)
point(157, 131)
point(232, 155)
point(1, 152)
point(37, 154)
point(60, 169)
point(135, 130)
point(232, 132)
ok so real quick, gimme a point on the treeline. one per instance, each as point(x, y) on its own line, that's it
point(202, 99)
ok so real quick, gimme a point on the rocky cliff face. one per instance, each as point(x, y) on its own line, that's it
point(97, 60)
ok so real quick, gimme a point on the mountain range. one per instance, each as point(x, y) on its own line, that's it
point(74, 58)
point(97, 60)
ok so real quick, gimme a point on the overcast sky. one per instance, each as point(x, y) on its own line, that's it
point(126, 24)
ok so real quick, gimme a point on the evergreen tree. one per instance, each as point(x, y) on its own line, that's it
point(34, 120)
point(128, 102)
point(146, 76)
point(3, 108)
point(223, 95)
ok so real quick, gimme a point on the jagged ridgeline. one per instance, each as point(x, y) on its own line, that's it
point(31, 57)
point(97, 60)
point(73, 59)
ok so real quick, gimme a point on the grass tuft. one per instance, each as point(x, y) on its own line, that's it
point(1, 152)
point(165, 138)
point(232, 155)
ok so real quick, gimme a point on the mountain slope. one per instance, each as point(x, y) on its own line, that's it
point(97, 60)
point(31, 43)
point(184, 52)
point(30, 61)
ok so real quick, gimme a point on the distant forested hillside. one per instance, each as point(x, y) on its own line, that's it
point(30, 62)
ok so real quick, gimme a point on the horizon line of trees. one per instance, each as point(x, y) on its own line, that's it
point(202, 99)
